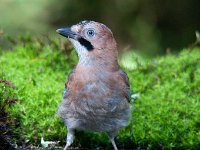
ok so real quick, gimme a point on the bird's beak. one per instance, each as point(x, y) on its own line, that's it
point(67, 32)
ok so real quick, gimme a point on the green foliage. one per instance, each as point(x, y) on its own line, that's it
point(166, 114)
point(7, 98)
point(39, 73)
point(151, 26)
point(167, 111)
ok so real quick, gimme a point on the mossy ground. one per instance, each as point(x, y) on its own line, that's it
point(166, 114)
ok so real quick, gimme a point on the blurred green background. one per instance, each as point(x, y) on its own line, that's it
point(147, 26)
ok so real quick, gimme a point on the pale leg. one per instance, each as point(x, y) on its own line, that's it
point(111, 136)
point(70, 138)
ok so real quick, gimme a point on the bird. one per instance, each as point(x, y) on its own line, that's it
point(97, 93)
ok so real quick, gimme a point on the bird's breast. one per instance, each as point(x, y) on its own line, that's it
point(95, 102)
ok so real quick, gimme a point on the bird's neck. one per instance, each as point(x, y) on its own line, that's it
point(101, 62)
point(93, 73)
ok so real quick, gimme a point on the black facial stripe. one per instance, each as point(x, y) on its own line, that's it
point(86, 44)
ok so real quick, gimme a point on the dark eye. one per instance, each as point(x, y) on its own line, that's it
point(90, 33)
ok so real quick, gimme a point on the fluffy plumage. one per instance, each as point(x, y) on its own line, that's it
point(97, 91)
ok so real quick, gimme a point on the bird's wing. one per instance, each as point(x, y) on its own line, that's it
point(67, 83)
point(126, 80)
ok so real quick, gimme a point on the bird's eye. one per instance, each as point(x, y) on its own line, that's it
point(90, 33)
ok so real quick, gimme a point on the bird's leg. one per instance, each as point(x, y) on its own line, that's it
point(70, 138)
point(111, 136)
point(113, 143)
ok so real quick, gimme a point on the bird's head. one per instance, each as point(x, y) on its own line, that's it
point(93, 41)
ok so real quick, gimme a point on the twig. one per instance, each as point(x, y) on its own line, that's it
point(8, 83)
point(196, 42)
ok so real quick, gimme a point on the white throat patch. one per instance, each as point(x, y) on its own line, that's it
point(81, 51)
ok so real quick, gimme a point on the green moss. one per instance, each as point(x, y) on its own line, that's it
point(167, 111)
point(166, 114)
point(7, 99)
point(39, 73)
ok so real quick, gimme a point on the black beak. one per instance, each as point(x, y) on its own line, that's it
point(67, 32)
